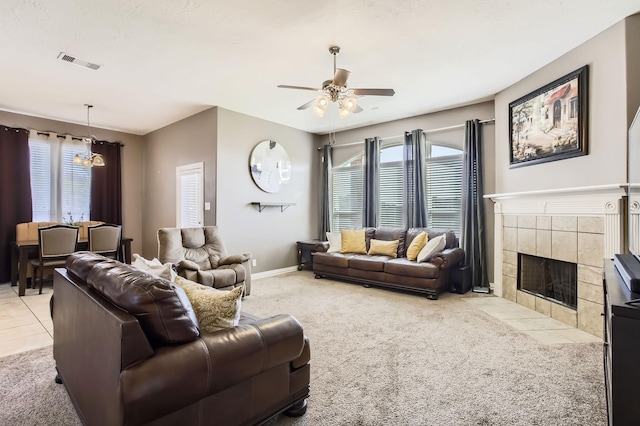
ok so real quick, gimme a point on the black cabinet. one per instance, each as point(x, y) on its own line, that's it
point(621, 350)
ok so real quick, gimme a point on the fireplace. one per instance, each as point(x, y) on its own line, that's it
point(552, 279)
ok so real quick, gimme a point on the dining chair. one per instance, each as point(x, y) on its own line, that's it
point(105, 239)
point(55, 244)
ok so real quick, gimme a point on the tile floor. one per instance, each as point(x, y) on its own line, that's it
point(25, 322)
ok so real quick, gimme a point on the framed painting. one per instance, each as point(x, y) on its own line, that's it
point(550, 123)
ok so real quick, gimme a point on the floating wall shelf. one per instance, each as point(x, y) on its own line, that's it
point(261, 205)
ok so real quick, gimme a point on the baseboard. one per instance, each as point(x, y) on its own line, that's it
point(273, 272)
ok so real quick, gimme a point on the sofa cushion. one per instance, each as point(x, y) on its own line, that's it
point(151, 299)
point(353, 241)
point(387, 233)
point(368, 262)
point(339, 260)
point(215, 309)
point(405, 267)
point(435, 245)
point(382, 247)
point(416, 245)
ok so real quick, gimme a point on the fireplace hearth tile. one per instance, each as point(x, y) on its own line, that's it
point(590, 274)
point(527, 241)
point(510, 239)
point(543, 306)
point(592, 293)
point(510, 257)
point(592, 225)
point(509, 286)
point(543, 243)
point(564, 315)
point(528, 222)
point(543, 222)
point(564, 223)
point(548, 337)
point(525, 299)
point(591, 249)
point(590, 318)
point(510, 270)
point(578, 336)
point(564, 246)
point(510, 221)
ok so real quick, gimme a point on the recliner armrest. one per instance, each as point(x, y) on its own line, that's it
point(187, 264)
point(234, 258)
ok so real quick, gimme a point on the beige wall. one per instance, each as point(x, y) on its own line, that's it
point(452, 137)
point(187, 141)
point(132, 177)
point(633, 66)
point(271, 234)
point(605, 164)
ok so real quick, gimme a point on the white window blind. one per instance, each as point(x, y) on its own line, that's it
point(60, 190)
point(190, 195)
point(347, 190)
point(390, 205)
point(444, 192)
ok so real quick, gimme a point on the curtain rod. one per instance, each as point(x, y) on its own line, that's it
point(440, 129)
point(75, 138)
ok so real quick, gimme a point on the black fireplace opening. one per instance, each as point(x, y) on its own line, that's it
point(549, 278)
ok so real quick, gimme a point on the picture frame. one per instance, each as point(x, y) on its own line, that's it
point(550, 123)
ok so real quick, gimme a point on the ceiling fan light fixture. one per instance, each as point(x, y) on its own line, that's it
point(322, 102)
point(344, 113)
point(89, 159)
point(319, 111)
point(97, 160)
point(350, 104)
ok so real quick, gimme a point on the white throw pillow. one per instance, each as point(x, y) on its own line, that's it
point(154, 267)
point(434, 246)
point(335, 242)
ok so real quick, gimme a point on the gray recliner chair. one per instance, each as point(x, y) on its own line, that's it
point(200, 256)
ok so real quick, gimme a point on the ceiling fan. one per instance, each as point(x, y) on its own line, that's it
point(336, 90)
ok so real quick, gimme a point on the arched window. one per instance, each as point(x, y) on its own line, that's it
point(443, 184)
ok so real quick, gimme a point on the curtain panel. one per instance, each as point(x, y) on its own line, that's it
point(325, 202)
point(106, 184)
point(473, 230)
point(415, 203)
point(15, 192)
point(371, 182)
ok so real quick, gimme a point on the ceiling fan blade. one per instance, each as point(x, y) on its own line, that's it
point(374, 92)
point(284, 86)
point(357, 109)
point(341, 76)
point(307, 105)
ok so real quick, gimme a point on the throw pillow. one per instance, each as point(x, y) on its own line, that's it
point(386, 248)
point(435, 245)
point(335, 242)
point(353, 241)
point(215, 309)
point(416, 245)
point(154, 267)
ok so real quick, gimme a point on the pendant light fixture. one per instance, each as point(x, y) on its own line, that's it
point(89, 159)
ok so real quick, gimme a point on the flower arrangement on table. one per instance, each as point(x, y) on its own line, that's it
point(71, 222)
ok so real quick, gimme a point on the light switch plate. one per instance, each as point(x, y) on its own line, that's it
point(207, 206)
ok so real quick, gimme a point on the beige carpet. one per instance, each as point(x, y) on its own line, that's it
point(381, 357)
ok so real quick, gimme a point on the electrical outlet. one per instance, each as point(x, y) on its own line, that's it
point(253, 262)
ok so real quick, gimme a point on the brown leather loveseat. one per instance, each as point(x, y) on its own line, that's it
point(430, 278)
point(129, 354)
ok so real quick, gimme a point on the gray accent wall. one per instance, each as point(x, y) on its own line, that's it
point(132, 153)
point(609, 115)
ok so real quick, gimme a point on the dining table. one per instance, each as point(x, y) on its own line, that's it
point(23, 251)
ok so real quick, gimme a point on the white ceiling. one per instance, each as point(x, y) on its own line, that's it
point(164, 60)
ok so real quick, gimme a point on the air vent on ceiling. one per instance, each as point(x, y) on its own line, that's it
point(68, 58)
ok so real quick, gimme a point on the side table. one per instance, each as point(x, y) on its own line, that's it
point(306, 248)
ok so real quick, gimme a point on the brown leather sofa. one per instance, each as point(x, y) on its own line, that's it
point(129, 354)
point(430, 278)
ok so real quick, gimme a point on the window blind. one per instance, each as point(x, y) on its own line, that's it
point(190, 195)
point(347, 195)
point(444, 192)
point(390, 203)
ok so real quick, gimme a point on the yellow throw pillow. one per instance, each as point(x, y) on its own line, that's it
point(353, 241)
point(416, 245)
point(215, 309)
point(386, 248)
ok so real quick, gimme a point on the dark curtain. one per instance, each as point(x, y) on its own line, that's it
point(106, 184)
point(15, 191)
point(325, 202)
point(371, 182)
point(413, 179)
point(473, 230)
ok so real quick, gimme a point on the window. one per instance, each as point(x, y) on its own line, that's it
point(60, 190)
point(189, 195)
point(443, 186)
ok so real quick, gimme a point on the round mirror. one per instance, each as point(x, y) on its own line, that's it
point(270, 166)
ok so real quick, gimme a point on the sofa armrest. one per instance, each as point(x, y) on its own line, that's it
point(214, 362)
point(322, 246)
point(234, 258)
point(448, 257)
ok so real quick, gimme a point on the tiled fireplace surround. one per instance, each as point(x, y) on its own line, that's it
point(579, 225)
